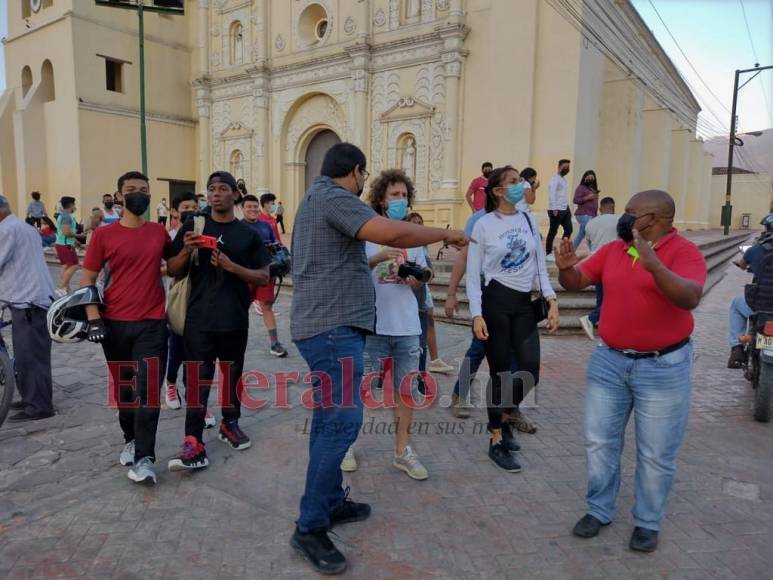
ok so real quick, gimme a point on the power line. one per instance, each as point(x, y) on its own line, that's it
point(668, 30)
point(754, 52)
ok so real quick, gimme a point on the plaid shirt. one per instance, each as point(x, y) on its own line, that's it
point(331, 276)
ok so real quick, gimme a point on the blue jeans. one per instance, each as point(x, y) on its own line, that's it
point(424, 320)
point(583, 221)
point(338, 354)
point(595, 316)
point(657, 390)
point(473, 358)
point(739, 318)
point(404, 352)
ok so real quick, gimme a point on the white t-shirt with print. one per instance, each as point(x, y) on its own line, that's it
point(397, 312)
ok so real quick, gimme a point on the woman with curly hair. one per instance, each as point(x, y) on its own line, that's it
point(395, 347)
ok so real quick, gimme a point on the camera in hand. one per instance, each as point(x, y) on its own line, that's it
point(413, 269)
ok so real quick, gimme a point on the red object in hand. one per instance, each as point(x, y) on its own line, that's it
point(207, 242)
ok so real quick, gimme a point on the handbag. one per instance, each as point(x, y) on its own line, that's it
point(539, 306)
point(180, 292)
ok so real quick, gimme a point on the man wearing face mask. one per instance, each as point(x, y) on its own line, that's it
point(652, 278)
point(558, 206)
point(333, 309)
point(111, 215)
point(476, 193)
point(132, 326)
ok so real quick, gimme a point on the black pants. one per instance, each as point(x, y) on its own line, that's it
point(202, 349)
point(512, 331)
point(563, 219)
point(280, 219)
point(162, 220)
point(32, 354)
point(144, 343)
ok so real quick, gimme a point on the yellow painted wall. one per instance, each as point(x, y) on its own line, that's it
point(752, 194)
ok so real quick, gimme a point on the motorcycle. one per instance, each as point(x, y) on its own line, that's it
point(758, 348)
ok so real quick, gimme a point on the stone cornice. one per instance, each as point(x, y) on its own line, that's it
point(134, 113)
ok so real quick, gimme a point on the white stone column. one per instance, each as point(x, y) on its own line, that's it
point(360, 55)
point(260, 32)
point(260, 89)
point(453, 56)
point(364, 21)
point(203, 37)
point(203, 105)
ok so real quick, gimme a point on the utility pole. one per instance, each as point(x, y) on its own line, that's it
point(160, 6)
point(727, 209)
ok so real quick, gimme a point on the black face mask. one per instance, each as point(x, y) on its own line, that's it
point(137, 203)
point(625, 227)
point(184, 215)
point(108, 204)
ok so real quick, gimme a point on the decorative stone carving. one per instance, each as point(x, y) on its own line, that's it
point(442, 5)
point(408, 161)
point(350, 26)
point(386, 94)
point(379, 19)
point(279, 43)
point(431, 88)
point(427, 10)
point(319, 110)
point(394, 14)
point(215, 58)
point(412, 10)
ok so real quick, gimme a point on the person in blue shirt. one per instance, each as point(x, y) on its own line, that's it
point(739, 309)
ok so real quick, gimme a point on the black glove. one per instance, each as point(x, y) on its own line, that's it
point(97, 330)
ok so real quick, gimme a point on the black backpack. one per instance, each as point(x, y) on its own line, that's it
point(759, 294)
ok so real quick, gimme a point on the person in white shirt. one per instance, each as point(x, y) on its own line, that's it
point(396, 344)
point(508, 256)
point(110, 212)
point(162, 210)
point(558, 205)
point(599, 231)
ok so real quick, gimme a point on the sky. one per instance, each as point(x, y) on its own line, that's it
point(714, 37)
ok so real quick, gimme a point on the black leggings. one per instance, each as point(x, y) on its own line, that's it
point(512, 329)
point(563, 219)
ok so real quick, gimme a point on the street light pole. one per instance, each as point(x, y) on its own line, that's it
point(727, 209)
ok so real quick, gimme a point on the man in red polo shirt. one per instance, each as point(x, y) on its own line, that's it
point(476, 193)
point(652, 279)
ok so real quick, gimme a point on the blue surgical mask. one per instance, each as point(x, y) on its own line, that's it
point(397, 209)
point(514, 192)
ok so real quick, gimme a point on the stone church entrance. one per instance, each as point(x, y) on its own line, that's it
point(315, 153)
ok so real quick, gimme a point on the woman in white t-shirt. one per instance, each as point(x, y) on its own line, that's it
point(394, 349)
point(508, 257)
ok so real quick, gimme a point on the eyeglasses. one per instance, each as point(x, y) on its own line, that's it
point(365, 175)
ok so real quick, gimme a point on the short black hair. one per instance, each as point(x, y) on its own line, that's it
point(607, 201)
point(182, 196)
point(528, 173)
point(36, 195)
point(562, 161)
point(104, 195)
point(249, 197)
point(487, 164)
point(267, 198)
point(67, 202)
point(132, 175)
point(341, 159)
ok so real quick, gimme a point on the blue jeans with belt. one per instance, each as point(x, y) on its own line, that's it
point(657, 391)
point(336, 356)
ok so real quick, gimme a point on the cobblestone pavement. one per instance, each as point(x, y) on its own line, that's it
point(67, 508)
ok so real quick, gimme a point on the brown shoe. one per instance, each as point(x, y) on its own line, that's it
point(461, 409)
point(522, 423)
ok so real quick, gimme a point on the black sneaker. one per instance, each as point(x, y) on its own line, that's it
point(193, 456)
point(319, 551)
point(643, 540)
point(18, 406)
point(349, 511)
point(501, 456)
point(278, 350)
point(508, 438)
point(231, 433)
point(588, 526)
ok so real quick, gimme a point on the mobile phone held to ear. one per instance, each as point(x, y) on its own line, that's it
point(207, 242)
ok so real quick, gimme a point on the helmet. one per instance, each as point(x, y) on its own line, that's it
point(767, 221)
point(67, 320)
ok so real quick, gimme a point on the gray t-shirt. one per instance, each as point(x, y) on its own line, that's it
point(601, 230)
point(331, 277)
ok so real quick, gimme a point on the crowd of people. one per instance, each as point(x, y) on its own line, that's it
point(207, 259)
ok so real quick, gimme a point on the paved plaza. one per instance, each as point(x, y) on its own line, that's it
point(67, 508)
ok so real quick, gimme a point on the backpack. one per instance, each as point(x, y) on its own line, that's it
point(759, 294)
point(180, 292)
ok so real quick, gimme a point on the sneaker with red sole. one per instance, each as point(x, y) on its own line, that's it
point(231, 434)
point(193, 456)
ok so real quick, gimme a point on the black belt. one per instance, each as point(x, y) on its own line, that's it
point(635, 354)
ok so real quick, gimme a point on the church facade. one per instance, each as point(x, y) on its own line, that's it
point(262, 88)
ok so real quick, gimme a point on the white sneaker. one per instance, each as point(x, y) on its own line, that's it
point(209, 420)
point(440, 366)
point(127, 455)
point(143, 472)
point(349, 462)
point(410, 464)
point(171, 397)
point(60, 292)
point(587, 326)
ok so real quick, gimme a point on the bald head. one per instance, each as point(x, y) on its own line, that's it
point(655, 201)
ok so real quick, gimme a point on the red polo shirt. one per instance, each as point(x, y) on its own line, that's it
point(635, 314)
point(478, 187)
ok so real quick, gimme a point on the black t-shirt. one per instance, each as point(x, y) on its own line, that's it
point(219, 300)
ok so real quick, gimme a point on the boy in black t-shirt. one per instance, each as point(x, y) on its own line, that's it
point(218, 314)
